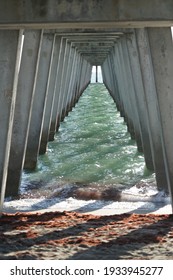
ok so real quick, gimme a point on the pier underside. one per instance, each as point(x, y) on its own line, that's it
point(47, 51)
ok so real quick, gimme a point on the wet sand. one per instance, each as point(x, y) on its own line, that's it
point(94, 199)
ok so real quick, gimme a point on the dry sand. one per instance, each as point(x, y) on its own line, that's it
point(76, 236)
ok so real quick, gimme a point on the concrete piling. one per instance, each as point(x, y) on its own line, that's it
point(24, 101)
point(161, 46)
point(50, 99)
point(156, 136)
point(10, 54)
point(40, 101)
point(140, 99)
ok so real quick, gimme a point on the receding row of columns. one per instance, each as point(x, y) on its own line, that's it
point(138, 75)
point(42, 77)
point(43, 74)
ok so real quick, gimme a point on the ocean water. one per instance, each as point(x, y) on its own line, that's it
point(92, 156)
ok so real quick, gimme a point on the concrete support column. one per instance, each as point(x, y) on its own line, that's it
point(83, 78)
point(53, 121)
point(126, 88)
point(76, 76)
point(40, 99)
point(89, 72)
point(69, 104)
point(24, 101)
point(83, 81)
point(123, 88)
point(152, 109)
point(118, 75)
point(112, 78)
point(50, 98)
point(132, 96)
point(110, 75)
point(87, 77)
point(129, 116)
point(140, 100)
point(160, 41)
point(105, 75)
point(67, 73)
point(57, 105)
point(10, 51)
point(112, 83)
point(115, 90)
point(96, 74)
point(58, 108)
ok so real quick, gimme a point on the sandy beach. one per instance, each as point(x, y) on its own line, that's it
point(90, 229)
point(76, 236)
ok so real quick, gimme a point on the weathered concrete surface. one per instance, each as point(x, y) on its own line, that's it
point(152, 108)
point(160, 40)
point(140, 99)
point(87, 14)
point(55, 122)
point(50, 98)
point(23, 109)
point(39, 102)
point(10, 49)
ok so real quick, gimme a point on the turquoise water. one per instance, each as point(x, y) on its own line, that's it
point(92, 146)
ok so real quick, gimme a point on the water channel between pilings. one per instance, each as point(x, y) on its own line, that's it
point(92, 146)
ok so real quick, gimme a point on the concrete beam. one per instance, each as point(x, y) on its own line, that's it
point(85, 14)
point(96, 59)
point(95, 51)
